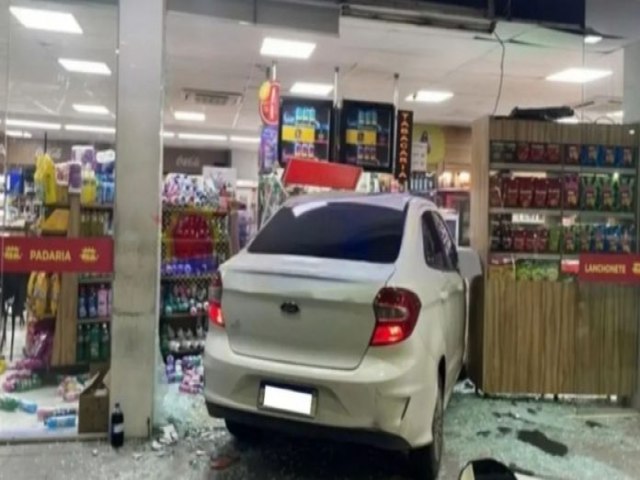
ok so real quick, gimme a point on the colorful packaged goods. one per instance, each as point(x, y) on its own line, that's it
point(570, 240)
point(571, 191)
point(589, 155)
point(536, 153)
point(590, 192)
point(553, 153)
point(536, 270)
point(495, 190)
point(609, 193)
point(525, 192)
point(625, 157)
point(625, 189)
point(541, 190)
point(573, 154)
point(599, 238)
point(511, 192)
point(523, 151)
point(584, 238)
point(607, 156)
point(555, 238)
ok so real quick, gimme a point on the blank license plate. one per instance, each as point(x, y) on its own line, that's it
point(287, 400)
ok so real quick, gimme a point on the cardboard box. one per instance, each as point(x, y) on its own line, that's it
point(93, 411)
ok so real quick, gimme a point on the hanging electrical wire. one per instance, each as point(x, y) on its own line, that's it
point(501, 83)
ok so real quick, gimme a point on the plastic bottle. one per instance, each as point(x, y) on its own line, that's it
point(116, 432)
point(28, 407)
point(94, 343)
point(81, 354)
point(82, 303)
point(105, 343)
point(67, 421)
point(92, 303)
point(103, 301)
point(9, 404)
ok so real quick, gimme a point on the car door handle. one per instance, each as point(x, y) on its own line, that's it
point(444, 294)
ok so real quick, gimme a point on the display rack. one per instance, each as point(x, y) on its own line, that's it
point(543, 194)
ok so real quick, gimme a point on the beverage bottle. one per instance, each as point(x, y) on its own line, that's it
point(94, 343)
point(9, 404)
point(105, 343)
point(92, 303)
point(28, 407)
point(80, 345)
point(116, 432)
point(67, 421)
point(103, 301)
point(82, 303)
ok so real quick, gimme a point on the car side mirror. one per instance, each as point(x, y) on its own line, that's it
point(486, 469)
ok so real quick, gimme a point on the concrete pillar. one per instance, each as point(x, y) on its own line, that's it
point(631, 108)
point(136, 230)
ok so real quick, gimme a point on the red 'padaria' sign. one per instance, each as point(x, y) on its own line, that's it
point(64, 255)
point(609, 268)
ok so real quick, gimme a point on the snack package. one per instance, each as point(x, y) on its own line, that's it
point(625, 157)
point(589, 189)
point(571, 191)
point(501, 271)
point(613, 239)
point(506, 237)
point(554, 192)
point(626, 187)
point(599, 238)
point(569, 237)
point(589, 155)
point(553, 153)
point(525, 189)
point(555, 237)
point(496, 237)
point(495, 190)
point(531, 241)
point(542, 244)
point(607, 156)
point(519, 239)
point(627, 239)
point(572, 156)
point(497, 149)
point(536, 153)
point(510, 189)
point(608, 193)
point(524, 270)
point(523, 152)
point(541, 188)
point(584, 238)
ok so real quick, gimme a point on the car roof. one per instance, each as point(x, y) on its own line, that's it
point(396, 201)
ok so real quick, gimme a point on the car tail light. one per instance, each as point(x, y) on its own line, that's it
point(215, 302)
point(396, 311)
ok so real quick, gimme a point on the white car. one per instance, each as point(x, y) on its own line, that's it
point(344, 318)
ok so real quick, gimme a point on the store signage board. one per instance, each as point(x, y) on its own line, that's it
point(269, 106)
point(191, 161)
point(608, 268)
point(404, 130)
point(269, 110)
point(57, 255)
point(419, 156)
point(321, 174)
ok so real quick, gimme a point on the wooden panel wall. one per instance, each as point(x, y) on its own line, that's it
point(554, 337)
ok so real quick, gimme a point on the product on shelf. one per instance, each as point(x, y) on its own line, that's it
point(572, 156)
point(537, 270)
point(93, 343)
point(571, 191)
point(45, 413)
point(190, 190)
point(626, 187)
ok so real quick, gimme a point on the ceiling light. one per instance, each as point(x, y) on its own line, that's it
point(85, 66)
point(568, 120)
point(241, 139)
point(277, 47)
point(190, 116)
point(429, 96)
point(17, 134)
point(579, 75)
point(202, 136)
point(89, 128)
point(305, 88)
point(31, 124)
point(592, 39)
point(51, 21)
point(168, 134)
point(93, 109)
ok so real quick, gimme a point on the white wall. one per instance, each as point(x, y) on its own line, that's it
point(245, 161)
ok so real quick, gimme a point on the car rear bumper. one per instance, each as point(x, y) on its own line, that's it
point(391, 394)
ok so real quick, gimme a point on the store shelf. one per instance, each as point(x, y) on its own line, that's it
point(559, 168)
point(525, 211)
point(95, 280)
point(184, 353)
point(90, 321)
point(561, 213)
point(186, 209)
point(526, 255)
point(187, 278)
point(599, 170)
point(600, 214)
point(96, 206)
point(184, 316)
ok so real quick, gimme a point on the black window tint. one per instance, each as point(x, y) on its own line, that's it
point(340, 230)
point(434, 253)
point(445, 238)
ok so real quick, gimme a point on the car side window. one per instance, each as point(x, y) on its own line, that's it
point(434, 253)
point(447, 242)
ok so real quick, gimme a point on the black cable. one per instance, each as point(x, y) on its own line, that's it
point(499, 95)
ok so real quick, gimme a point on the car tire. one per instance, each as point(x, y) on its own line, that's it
point(243, 432)
point(424, 462)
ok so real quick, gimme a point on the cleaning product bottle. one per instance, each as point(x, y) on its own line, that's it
point(103, 301)
point(94, 343)
point(116, 433)
point(105, 343)
point(67, 421)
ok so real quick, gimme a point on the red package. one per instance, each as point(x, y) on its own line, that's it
point(523, 152)
point(519, 237)
point(542, 244)
point(525, 197)
point(573, 154)
point(554, 192)
point(536, 153)
point(553, 153)
point(530, 241)
point(541, 187)
point(495, 190)
point(511, 187)
point(571, 191)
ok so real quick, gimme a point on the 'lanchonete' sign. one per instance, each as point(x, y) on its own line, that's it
point(609, 268)
point(65, 255)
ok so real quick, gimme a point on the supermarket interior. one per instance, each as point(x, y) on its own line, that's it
point(257, 111)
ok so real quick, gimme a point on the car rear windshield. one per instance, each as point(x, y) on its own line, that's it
point(340, 230)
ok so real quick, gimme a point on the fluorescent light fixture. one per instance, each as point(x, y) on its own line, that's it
point(89, 128)
point(189, 116)
point(48, 20)
point(166, 134)
point(579, 75)
point(11, 122)
point(85, 66)
point(278, 47)
point(242, 139)
point(592, 39)
point(17, 134)
point(92, 109)
point(306, 88)
point(202, 136)
point(429, 96)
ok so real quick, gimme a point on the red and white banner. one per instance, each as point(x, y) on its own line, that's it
point(609, 268)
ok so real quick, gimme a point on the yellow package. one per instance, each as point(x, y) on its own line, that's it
point(46, 175)
point(54, 293)
point(40, 291)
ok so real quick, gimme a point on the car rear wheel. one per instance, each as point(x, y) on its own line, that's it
point(424, 462)
point(243, 432)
